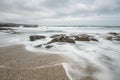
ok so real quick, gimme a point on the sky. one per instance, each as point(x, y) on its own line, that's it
point(61, 12)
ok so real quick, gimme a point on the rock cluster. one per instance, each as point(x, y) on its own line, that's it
point(113, 36)
point(61, 38)
point(72, 39)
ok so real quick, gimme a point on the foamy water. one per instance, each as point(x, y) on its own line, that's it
point(89, 60)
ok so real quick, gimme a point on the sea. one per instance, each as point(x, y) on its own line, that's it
point(89, 60)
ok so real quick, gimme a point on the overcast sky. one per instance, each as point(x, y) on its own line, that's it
point(76, 12)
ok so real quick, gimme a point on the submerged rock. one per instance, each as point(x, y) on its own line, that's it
point(36, 37)
point(113, 36)
point(72, 39)
point(62, 38)
point(109, 38)
point(117, 38)
point(113, 33)
point(44, 45)
point(93, 39)
point(37, 46)
point(48, 46)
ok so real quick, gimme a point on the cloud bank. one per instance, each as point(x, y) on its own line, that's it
point(60, 11)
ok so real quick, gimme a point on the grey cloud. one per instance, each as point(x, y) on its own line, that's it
point(56, 3)
point(38, 10)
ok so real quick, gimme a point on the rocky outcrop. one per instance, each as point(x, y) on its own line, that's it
point(36, 37)
point(117, 38)
point(62, 38)
point(113, 36)
point(113, 33)
point(85, 37)
point(72, 39)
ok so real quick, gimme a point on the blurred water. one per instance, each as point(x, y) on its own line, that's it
point(103, 55)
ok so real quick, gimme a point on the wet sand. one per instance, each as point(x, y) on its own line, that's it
point(16, 63)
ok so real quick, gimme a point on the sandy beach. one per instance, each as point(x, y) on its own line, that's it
point(16, 63)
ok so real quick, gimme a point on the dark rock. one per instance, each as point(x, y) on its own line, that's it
point(62, 38)
point(49, 46)
point(117, 38)
point(113, 33)
point(82, 38)
point(109, 38)
point(36, 37)
point(85, 37)
point(37, 46)
point(113, 36)
point(93, 39)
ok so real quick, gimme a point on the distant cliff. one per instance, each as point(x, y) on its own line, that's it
point(16, 25)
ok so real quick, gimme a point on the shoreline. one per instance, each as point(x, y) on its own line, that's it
point(18, 63)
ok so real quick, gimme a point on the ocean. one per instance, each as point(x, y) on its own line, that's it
point(87, 58)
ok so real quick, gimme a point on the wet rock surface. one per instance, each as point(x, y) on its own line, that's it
point(113, 36)
point(85, 37)
point(36, 37)
point(113, 33)
point(49, 46)
point(37, 46)
point(62, 38)
point(71, 38)
point(44, 45)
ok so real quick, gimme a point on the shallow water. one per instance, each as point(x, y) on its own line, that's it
point(89, 60)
